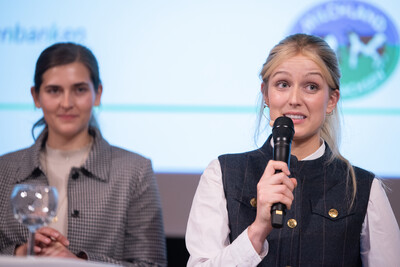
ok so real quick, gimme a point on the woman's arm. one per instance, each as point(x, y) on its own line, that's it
point(144, 241)
point(144, 231)
point(207, 234)
point(380, 236)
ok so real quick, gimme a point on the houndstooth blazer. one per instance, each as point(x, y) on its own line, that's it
point(114, 210)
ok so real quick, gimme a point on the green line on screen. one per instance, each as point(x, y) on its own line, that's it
point(17, 106)
point(196, 109)
point(177, 108)
point(372, 111)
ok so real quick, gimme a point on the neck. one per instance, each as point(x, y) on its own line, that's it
point(303, 148)
point(61, 142)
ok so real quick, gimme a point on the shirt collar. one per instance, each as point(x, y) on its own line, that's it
point(97, 164)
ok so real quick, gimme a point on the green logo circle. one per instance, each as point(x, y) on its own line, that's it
point(365, 39)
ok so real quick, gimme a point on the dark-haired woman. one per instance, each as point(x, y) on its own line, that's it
point(109, 208)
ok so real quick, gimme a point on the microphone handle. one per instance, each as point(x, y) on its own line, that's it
point(278, 212)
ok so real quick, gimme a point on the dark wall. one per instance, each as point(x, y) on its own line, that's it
point(393, 194)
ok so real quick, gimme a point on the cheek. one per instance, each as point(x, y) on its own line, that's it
point(324, 106)
point(318, 109)
point(318, 103)
point(86, 104)
point(48, 105)
point(276, 102)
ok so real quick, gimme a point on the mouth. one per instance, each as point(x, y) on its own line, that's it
point(67, 116)
point(295, 116)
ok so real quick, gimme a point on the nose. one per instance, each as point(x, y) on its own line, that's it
point(67, 100)
point(295, 96)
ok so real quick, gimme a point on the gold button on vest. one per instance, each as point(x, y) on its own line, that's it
point(253, 202)
point(333, 213)
point(292, 223)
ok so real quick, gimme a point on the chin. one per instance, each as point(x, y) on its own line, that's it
point(70, 131)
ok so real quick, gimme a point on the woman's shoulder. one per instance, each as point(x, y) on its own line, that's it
point(364, 177)
point(343, 164)
point(363, 172)
point(14, 157)
point(14, 162)
point(131, 167)
point(117, 164)
point(109, 152)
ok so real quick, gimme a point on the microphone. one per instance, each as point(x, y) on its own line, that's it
point(282, 133)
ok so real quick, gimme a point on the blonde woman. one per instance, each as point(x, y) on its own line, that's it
point(338, 215)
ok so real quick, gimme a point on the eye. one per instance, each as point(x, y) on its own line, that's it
point(52, 90)
point(81, 89)
point(312, 87)
point(282, 84)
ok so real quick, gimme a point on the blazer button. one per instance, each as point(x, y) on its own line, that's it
point(75, 175)
point(333, 213)
point(75, 214)
point(292, 223)
point(253, 202)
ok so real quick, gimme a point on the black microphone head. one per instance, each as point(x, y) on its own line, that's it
point(283, 129)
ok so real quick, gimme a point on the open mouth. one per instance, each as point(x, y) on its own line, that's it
point(295, 117)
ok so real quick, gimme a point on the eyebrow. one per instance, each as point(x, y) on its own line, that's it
point(52, 86)
point(74, 85)
point(307, 74)
point(280, 72)
point(80, 84)
point(315, 73)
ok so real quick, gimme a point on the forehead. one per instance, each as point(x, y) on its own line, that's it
point(72, 72)
point(299, 64)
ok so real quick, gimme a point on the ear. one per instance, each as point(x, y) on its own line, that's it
point(35, 97)
point(333, 100)
point(97, 98)
point(264, 91)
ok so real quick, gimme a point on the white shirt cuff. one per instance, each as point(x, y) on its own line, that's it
point(244, 251)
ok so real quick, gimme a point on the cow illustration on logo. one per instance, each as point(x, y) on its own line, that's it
point(364, 38)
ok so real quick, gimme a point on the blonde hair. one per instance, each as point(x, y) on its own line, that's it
point(320, 52)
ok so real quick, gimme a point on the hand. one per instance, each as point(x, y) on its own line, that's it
point(44, 237)
point(272, 188)
point(57, 249)
point(52, 243)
